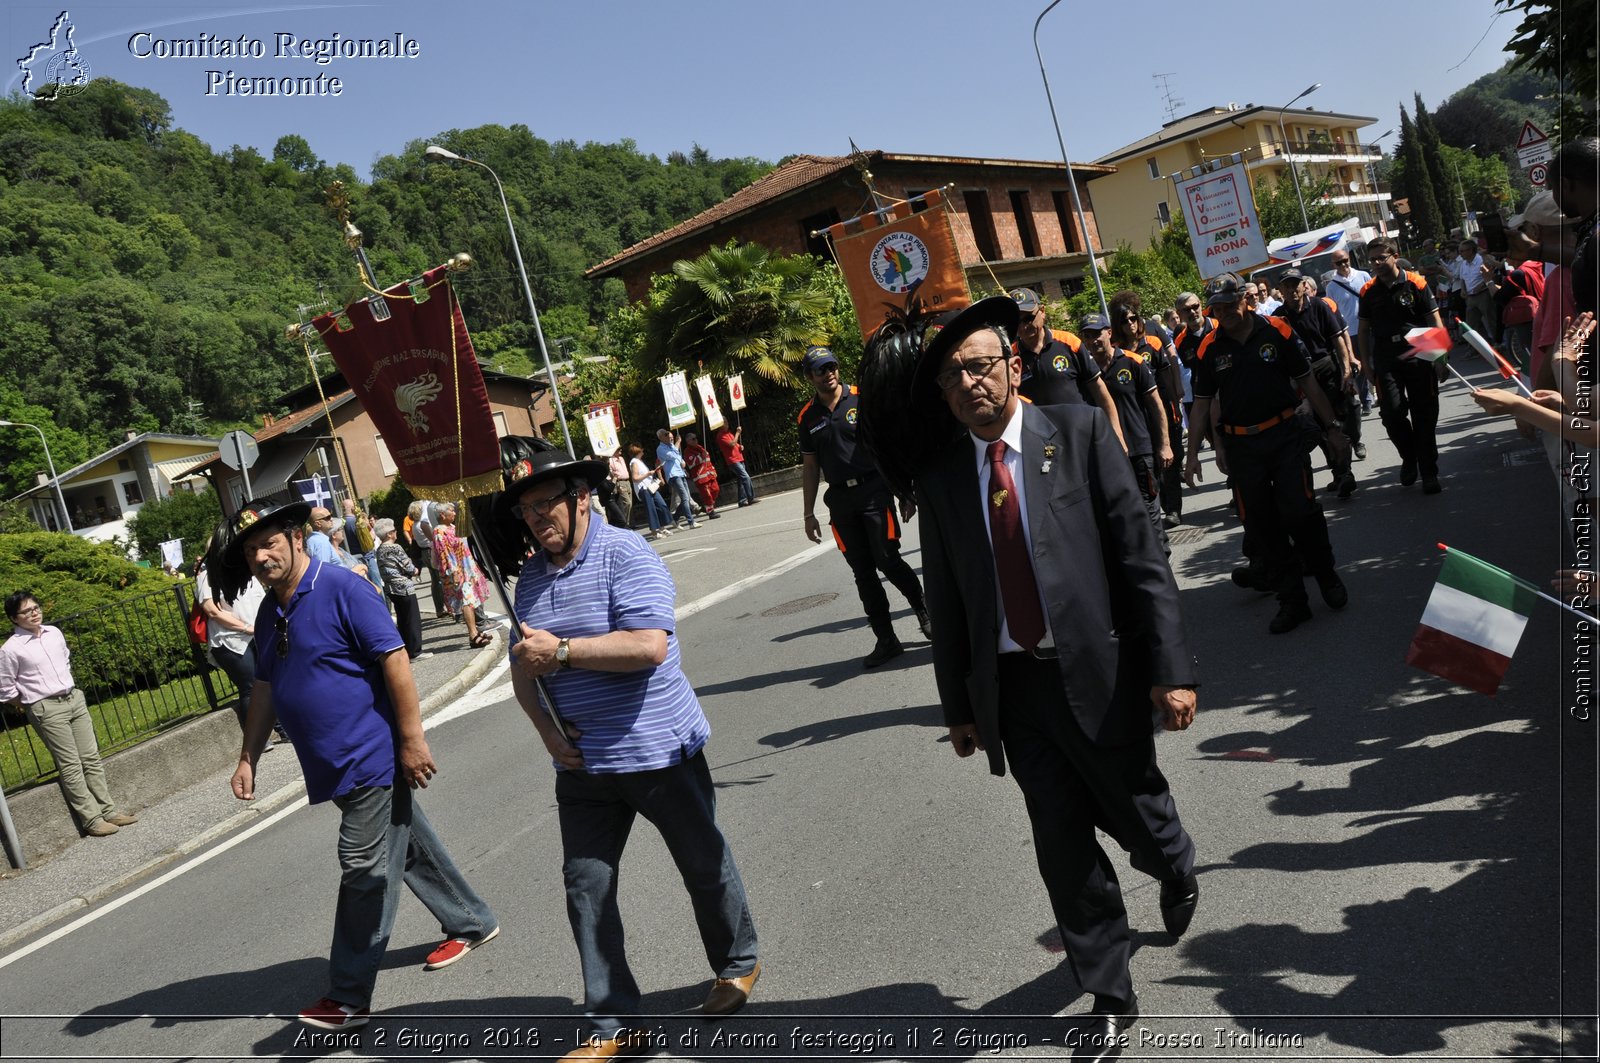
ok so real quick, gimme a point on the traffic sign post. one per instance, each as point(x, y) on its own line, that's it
point(1538, 174)
point(1533, 147)
point(238, 451)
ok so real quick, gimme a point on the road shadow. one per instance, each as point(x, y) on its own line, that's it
point(821, 675)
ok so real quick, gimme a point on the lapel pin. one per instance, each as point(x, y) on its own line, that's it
point(1049, 458)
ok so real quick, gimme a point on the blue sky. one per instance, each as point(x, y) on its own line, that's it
point(769, 79)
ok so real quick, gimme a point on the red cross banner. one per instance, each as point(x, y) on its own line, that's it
point(417, 377)
point(885, 255)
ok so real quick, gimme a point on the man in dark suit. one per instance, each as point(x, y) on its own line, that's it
point(1058, 644)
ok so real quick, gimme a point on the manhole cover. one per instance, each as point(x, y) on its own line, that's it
point(1185, 536)
point(1531, 456)
point(800, 605)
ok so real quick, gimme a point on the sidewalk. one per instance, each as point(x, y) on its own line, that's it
point(91, 869)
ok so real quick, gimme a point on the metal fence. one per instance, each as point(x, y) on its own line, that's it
point(139, 672)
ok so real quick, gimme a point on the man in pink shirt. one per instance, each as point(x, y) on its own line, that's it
point(35, 670)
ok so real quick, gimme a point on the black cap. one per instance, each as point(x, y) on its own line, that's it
point(1291, 274)
point(1226, 288)
point(274, 512)
point(997, 311)
point(1095, 322)
point(817, 357)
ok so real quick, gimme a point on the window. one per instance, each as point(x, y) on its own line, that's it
point(501, 429)
point(1063, 205)
point(385, 461)
point(130, 492)
point(818, 223)
point(1023, 212)
point(1163, 213)
point(1155, 171)
point(982, 222)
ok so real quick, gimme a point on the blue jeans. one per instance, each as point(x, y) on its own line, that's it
point(747, 490)
point(385, 839)
point(596, 812)
point(680, 504)
point(655, 509)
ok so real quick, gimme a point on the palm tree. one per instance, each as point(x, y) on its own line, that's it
point(738, 309)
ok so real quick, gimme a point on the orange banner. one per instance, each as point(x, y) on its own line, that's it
point(883, 256)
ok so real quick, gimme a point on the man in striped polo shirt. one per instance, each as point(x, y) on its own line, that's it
point(596, 617)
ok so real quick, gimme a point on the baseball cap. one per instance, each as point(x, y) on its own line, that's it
point(1291, 275)
point(1226, 288)
point(1027, 299)
point(1541, 211)
point(1095, 322)
point(817, 357)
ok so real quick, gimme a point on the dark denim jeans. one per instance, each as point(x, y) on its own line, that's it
point(596, 814)
point(680, 508)
point(747, 490)
point(385, 839)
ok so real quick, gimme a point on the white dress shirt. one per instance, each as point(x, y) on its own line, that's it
point(1012, 437)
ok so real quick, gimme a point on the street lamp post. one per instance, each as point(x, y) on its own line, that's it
point(1461, 192)
point(555, 389)
point(66, 517)
point(1072, 185)
point(1294, 175)
point(1372, 178)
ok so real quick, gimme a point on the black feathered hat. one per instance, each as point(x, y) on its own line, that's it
point(997, 311)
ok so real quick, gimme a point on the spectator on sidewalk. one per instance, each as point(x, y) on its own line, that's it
point(730, 444)
point(329, 666)
point(318, 542)
point(595, 615)
point(397, 573)
point(422, 518)
point(619, 508)
point(680, 507)
point(647, 488)
point(36, 672)
point(230, 625)
point(465, 587)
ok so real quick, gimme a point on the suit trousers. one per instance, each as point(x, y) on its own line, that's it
point(1072, 786)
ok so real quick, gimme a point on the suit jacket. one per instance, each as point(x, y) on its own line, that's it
point(1111, 600)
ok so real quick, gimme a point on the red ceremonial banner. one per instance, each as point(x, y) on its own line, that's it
point(884, 258)
point(416, 375)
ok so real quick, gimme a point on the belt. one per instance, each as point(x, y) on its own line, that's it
point(863, 479)
point(1038, 653)
point(1253, 429)
point(60, 697)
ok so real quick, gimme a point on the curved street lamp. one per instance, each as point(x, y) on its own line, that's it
point(1072, 185)
point(437, 152)
point(66, 517)
point(1294, 175)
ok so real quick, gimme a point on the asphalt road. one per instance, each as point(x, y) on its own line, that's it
point(1391, 866)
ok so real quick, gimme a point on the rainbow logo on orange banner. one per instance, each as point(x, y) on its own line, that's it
point(905, 249)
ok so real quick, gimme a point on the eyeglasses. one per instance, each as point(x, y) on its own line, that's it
point(32, 610)
point(1130, 317)
point(542, 507)
point(1341, 262)
point(977, 369)
point(283, 637)
point(1191, 308)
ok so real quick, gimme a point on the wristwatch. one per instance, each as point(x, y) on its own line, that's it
point(564, 653)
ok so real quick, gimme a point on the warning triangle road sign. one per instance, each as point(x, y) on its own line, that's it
point(1530, 136)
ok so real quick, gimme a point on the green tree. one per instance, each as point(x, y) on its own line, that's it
point(1409, 181)
point(1439, 176)
point(1278, 207)
point(1559, 40)
point(1149, 272)
point(182, 515)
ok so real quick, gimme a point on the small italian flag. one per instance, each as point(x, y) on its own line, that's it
point(1472, 624)
point(1429, 344)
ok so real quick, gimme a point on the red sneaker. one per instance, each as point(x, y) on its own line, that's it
point(329, 1014)
point(455, 948)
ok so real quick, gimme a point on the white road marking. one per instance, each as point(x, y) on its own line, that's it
point(686, 611)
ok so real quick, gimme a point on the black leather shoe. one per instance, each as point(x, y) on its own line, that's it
point(1245, 577)
point(1431, 485)
point(1333, 592)
point(886, 650)
point(1290, 616)
point(925, 622)
point(1361, 451)
point(1105, 1035)
point(1347, 485)
point(1178, 900)
point(1408, 475)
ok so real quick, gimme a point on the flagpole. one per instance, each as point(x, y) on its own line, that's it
point(1531, 588)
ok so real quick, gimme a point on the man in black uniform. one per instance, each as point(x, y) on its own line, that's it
point(1056, 370)
point(1131, 332)
point(1394, 302)
point(1318, 329)
point(860, 505)
point(1132, 384)
point(1252, 367)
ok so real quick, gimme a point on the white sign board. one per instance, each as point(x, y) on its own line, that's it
point(736, 392)
point(602, 433)
point(680, 408)
point(708, 401)
point(172, 554)
point(1221, 215)
point(1533, 146)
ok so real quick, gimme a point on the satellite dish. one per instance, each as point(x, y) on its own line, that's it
point(1355, 186)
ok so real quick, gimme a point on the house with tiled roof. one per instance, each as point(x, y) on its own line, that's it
point(104, 491)
point(1013, 219)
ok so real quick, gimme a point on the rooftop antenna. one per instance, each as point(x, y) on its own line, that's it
point(1172, 103)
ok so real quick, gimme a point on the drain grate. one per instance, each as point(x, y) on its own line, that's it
point(800, 605)
point(1531, 456)
point(1185, 536)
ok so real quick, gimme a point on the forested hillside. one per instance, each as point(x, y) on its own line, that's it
point(142, 272)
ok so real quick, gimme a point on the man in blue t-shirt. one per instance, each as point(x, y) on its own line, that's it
point(676, 477)
point(596, 617)
point(331, 668)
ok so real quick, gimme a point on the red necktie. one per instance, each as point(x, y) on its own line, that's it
point(1019, 592)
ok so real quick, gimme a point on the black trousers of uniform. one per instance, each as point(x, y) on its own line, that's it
point(1072, 786)
point(1282, 519)
point(1408, 403)
point(867, 530)
point(1172, 475)
point(1149, 480)
point(1326, 372)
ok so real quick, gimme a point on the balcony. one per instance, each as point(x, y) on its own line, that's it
point(1326, 150)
